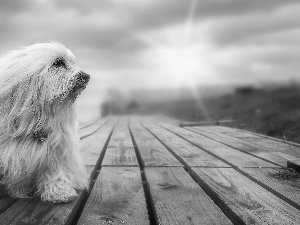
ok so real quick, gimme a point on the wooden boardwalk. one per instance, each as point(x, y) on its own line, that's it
point(149, 171)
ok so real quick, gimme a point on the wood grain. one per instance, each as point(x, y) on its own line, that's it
point(244, 201)
point(276, 145)
point(221, 151)
point(247, 134)
point(92, 146)
point(177, 199)
point(121, 136)
point(120, 157)
point(251, 148)
point(188, 154)
point(33, 211)
point(152, 152)
point(287, 189)
point(92, 128)
point(117, 198)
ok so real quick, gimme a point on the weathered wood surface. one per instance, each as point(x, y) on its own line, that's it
point(121, 136)
point(245, 146)
point(90, 129)
point(178, 199)
point(287, 189)
point(120, 150)
point(228, 154)
point(138, 168)
point(120, 157)
point(245, 201)
point(187, 153)
point(117, 198)
point(92, 146)
point(234, 132)
point(152, 152)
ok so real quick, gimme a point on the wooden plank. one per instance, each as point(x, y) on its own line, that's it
point(241, 145)
point(34, 211)
point(230, 131)
point(116, 198)
point(120, 150)
point(276, 145)
point(208, 123)
point(235, 132)
point(120, 157)
point(188, 154)
point(92, 146)
point(287, 189)
point(92, 128)
point(152, 152)
point(164, 119)
point(244, 201)
point(87, 123)
point(221, 151)
point(177, 199)
point(121, 136)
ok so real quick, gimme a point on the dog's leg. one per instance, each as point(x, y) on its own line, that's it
point(58, 189)
point(63, 172)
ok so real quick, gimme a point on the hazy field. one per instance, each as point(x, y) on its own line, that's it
point(275, 112)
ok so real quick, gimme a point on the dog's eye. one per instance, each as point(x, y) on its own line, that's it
point(59, 63)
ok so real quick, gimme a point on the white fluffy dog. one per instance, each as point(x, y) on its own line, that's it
point(39, 149)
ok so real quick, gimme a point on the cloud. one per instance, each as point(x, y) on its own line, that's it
point(155, 14)
point(242, 29)
point(122, 40)
point(14, 6)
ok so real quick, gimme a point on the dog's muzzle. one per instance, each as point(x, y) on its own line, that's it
point(79, 84)
point(81, 80)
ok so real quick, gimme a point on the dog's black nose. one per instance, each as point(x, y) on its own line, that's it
point(83, 77)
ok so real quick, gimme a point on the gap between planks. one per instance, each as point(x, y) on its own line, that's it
point(281, 189)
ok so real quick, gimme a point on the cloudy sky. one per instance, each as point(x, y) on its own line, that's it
point(140, 44)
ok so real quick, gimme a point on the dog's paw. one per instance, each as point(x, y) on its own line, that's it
point(61, 196)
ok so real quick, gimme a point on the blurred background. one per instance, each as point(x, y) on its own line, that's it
point(230, 61)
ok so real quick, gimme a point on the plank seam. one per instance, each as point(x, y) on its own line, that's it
point(268, 137)
point(167, 147)
point(94, 176)
point(245, 174)
point(217, 200)
point(235, 148)
point(260, 137)
point(90, 124)
point(218, 157)
point(276, 193)
point(224, 208)
point(149, 203)
point(87, 135)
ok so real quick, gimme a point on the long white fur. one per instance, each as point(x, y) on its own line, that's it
point(32, 98)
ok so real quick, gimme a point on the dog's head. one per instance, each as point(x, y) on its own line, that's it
point(46, 71)
point(35, 80)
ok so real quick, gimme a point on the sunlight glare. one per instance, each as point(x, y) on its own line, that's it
point(182, 65)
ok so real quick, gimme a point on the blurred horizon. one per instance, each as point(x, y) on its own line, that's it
point(156, 49)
